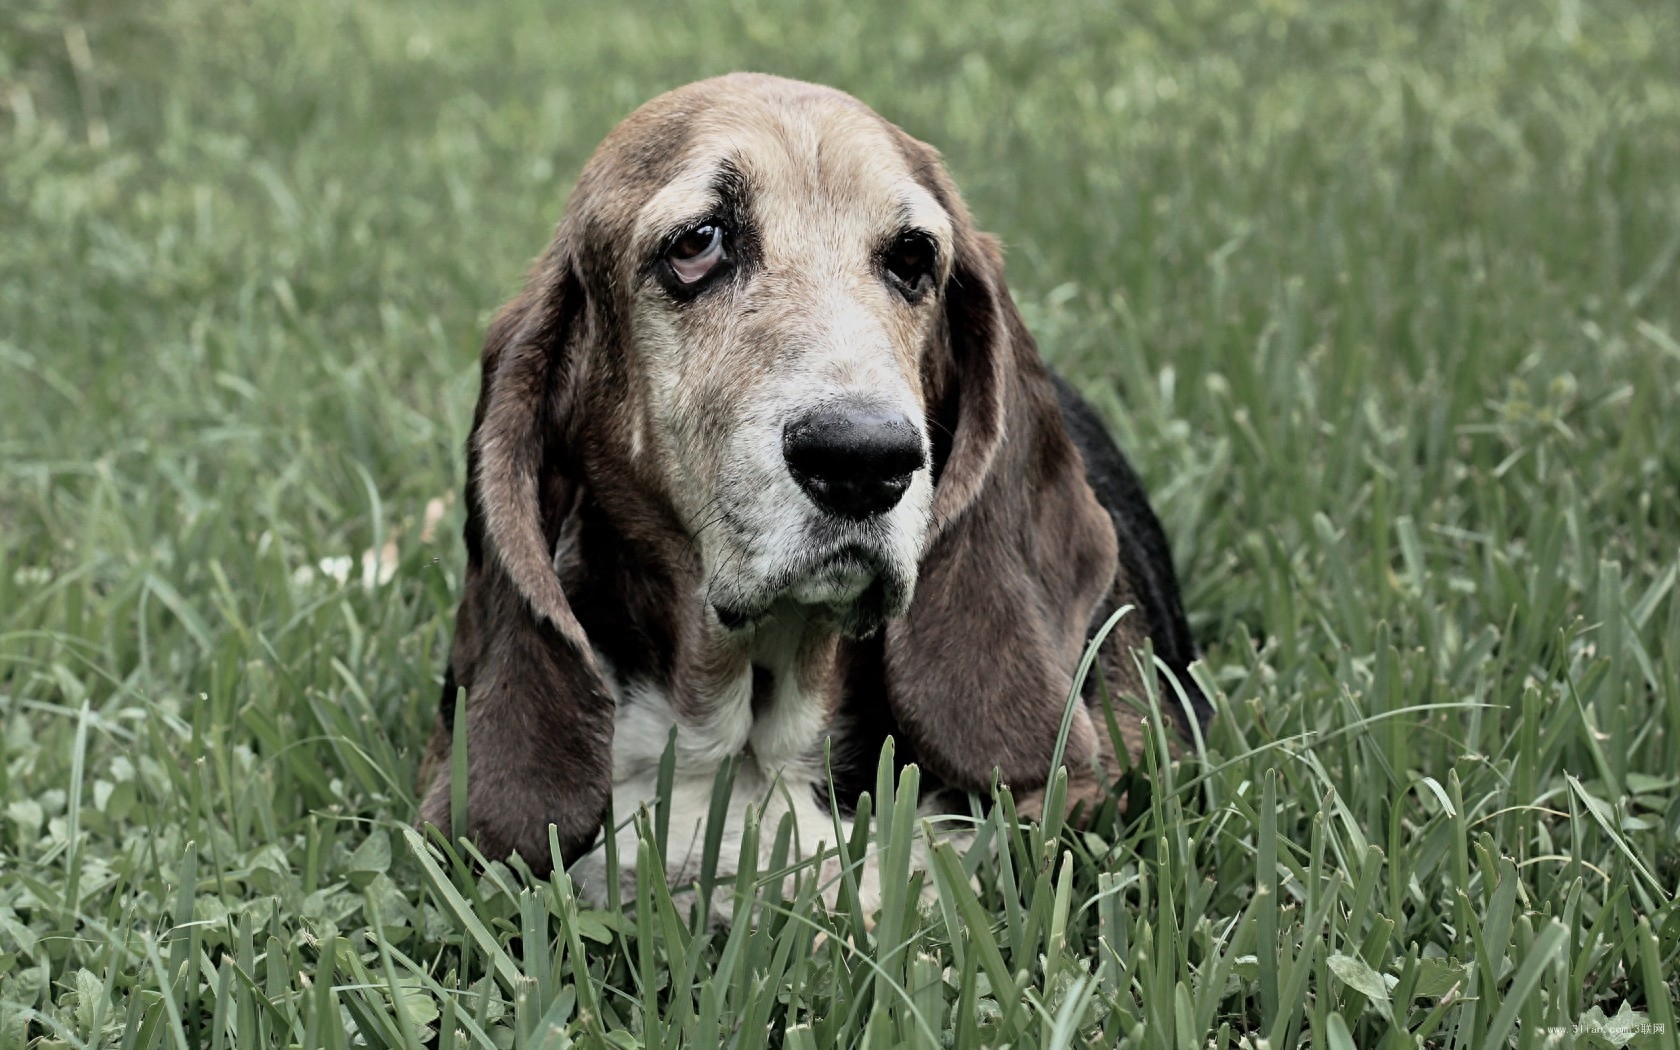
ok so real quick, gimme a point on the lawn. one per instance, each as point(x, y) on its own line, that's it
point(1383, 298)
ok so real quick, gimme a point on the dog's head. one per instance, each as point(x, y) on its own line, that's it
point(768, 328)
point(775, 259)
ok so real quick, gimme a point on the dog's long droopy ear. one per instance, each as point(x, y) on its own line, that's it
point(979, 668)
point(539, 716)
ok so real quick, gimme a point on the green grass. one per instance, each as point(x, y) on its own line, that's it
point(1382, 297)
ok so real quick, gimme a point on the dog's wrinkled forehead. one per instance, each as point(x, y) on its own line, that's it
point(813, 169)
point(814, 163)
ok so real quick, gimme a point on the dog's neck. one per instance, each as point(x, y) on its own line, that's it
point(765, 693)
point(763, 696)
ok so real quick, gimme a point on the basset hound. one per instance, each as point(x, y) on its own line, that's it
point(764, 453)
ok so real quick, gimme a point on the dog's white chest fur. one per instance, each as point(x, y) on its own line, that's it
point(776, 741)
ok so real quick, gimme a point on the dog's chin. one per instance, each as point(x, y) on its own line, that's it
point(850, 593)
point(834, 584)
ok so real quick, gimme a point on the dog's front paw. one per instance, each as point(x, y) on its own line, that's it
point(509, 822)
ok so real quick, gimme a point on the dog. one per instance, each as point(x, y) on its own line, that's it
point(764, 457)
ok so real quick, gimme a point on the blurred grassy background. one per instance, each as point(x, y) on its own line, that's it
point(1381, 297)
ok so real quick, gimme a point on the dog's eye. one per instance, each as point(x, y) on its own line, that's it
point(909, 263)
point(694, 254)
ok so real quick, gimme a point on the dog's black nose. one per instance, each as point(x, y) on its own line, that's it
point(854, 462)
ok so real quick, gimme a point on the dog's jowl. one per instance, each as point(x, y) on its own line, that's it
point(764, 454)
